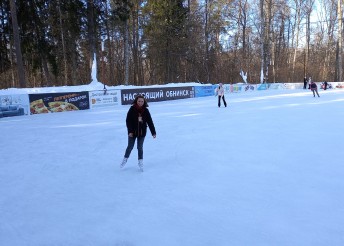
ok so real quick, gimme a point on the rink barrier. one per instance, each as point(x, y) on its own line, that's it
point(36, 103)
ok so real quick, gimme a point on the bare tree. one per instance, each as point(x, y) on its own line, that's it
point(308, 8)
point(20, 65)
point(340, 41)
point(297, 26)
point(63, 43)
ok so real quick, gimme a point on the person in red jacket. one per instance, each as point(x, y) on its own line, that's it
point(138, 117)
point(314, 88)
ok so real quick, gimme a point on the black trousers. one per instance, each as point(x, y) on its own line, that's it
point(224, 101)
point(315, 91)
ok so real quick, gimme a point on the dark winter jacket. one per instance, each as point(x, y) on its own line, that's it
point(313, 86)
point(139, 129)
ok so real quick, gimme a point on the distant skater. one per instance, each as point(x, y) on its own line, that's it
point(314, 89)
point(309, 82)
point(221, 94)
point(138, 118)
point(325, 85)
point(305, 83)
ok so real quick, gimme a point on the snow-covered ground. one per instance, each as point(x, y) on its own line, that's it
point(266, 170)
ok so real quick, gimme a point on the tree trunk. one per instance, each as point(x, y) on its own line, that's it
point(262, 40)
point(206, 37)
point(20, 65)
point(126, 52)
point(297, 27)
point(340, 42)
point(63, 44)
point(135, 47)
point(91, 31)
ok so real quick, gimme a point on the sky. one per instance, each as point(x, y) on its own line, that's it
point(266, 170)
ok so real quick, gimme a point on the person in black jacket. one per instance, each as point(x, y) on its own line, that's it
point(138, 117)
point(325, 85)
point(314, 88)
point(305, 81)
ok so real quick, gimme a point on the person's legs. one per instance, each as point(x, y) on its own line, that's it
point(313, 93)
point(224, 100)
point(219, 101)
point(317, 93)
point(140, 141)
point(131, 142)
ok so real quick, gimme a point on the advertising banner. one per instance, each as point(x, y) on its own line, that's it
point(339, 85)
point(103, 98)
point(276, 86)
point(261, 87)
point(14, 105)
point(157, 94)
point(58, 102)
point(248, 87)
point(203, 91)
point(226, 88)
point(236, 88)
point(292, 86)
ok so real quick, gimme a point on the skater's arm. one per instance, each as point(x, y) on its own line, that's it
point(151, 124)
point(130, 122)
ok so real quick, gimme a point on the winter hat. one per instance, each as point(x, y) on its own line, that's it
point(220, 84)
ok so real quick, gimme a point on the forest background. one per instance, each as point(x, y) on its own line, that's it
point(138, 42)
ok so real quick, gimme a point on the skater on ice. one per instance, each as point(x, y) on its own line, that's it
point(305, 81)
point(325, 85)
point(314, 88)
point(138, 117)
point(220, 92)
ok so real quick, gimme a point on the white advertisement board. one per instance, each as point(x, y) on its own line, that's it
point(103, 98)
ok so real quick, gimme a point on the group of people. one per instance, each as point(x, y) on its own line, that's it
point(312, 86)
point(139, 117)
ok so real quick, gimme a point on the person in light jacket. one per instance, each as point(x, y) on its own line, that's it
point(138, 117)
point(221, 94)
point(309, 82)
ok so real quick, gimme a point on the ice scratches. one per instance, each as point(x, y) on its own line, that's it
point(187, 115)
point(124, 243)
point(83, 125)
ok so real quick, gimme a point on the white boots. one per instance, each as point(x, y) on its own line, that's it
point(125, 162)
point(141, 164)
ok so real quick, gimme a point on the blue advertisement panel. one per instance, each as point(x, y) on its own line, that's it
point(203, 91)
point(14, 105)
point(262, 87)
point(249, 87)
